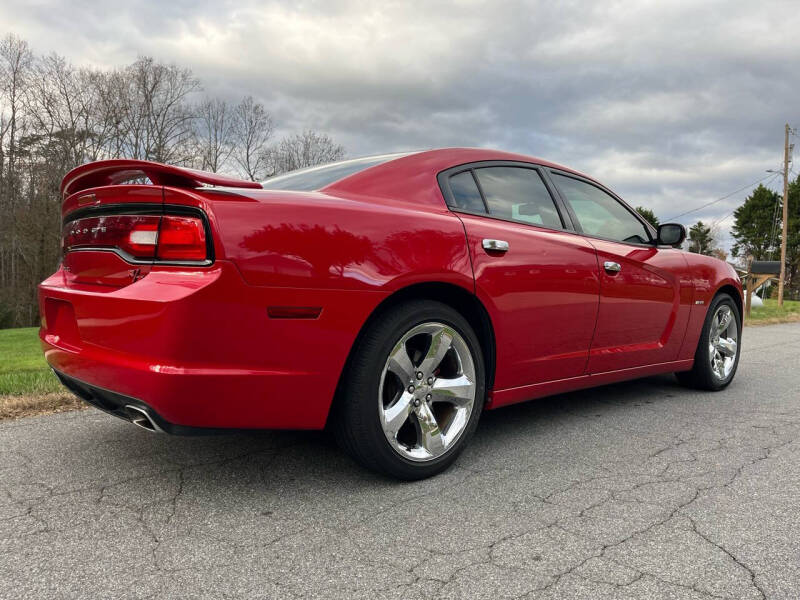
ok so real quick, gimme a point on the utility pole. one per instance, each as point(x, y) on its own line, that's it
point(786, 151)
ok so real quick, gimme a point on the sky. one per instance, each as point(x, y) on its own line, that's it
point(672, 104)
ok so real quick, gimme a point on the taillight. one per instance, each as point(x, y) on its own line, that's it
point(140, 237)
point(181, 238)
point(134, 235)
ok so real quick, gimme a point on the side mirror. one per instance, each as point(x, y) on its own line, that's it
point(671, 234)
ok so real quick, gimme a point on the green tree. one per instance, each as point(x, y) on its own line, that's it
point(757, 222)
point(649, 216)
point(793, 239)
point(701, 240)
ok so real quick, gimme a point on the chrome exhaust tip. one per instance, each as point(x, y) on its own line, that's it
point(139, 416)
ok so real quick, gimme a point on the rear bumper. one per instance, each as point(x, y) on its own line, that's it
point(126, 408)
point(198, 349)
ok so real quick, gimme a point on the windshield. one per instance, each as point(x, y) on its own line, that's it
point(314, 178)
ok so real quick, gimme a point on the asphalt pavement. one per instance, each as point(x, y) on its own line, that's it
point(635, 490)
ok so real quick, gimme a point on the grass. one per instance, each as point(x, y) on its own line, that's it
point(772, 313)
point(27, 386)
point(23, 370)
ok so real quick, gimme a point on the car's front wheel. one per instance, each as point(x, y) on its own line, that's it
point(717, 354)
point(413, 391)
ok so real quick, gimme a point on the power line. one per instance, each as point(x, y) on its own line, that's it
point(773, 176)
point(714, 224)
point(720, 199)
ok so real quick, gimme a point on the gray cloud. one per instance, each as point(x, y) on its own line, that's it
point(672, 104)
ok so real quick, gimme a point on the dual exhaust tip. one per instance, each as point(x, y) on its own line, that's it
point(140, 417)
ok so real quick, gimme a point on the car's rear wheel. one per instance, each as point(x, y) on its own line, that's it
point(413, 391)
point(717, 354)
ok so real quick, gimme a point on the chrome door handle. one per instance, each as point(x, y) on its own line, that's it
point(495, 245)
point(612, 267)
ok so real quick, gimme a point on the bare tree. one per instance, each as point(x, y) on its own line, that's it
point(148, 102)
point(252, 130)
point(16, 60)
point(305, 149)
point(214, 134)
point(61, 113)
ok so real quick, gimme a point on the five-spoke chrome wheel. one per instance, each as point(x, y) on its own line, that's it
point(717, 353)
point(723, 339)
point(413, 392)
point(427, 391)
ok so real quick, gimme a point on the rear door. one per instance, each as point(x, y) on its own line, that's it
point(538, 281)
point(644, 297)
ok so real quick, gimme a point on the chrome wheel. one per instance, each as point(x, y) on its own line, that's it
point(427, 391)
point(722, 342)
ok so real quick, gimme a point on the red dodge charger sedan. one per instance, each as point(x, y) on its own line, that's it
point(392, 298)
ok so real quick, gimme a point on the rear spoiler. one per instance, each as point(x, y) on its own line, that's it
point(112, 172)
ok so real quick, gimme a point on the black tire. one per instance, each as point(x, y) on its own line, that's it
point(356, 421)
point(702, 376)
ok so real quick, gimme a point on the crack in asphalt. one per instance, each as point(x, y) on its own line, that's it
point(738, 562)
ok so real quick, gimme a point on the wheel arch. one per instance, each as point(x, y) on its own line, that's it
point(455, 296)
point(733, 292)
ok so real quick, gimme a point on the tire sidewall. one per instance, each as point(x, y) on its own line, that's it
point(381, 340)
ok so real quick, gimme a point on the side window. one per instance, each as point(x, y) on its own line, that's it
point(465, 192)
point(519, 194)
point(599, 213)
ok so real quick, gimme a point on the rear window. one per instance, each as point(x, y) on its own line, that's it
point(314, 178)
point(465, 192)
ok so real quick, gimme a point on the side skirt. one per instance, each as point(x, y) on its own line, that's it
point(548, 388)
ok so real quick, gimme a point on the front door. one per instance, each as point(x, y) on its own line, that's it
point(644, 294)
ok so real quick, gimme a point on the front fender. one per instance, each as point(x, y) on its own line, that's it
point(709, 277)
